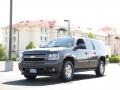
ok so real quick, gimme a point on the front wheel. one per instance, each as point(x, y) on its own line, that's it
point(29, 77)
point(67, 72)
point(100, 69)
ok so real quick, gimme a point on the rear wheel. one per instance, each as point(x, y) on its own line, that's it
point(100, 69)
point(67, 72)
point(30, 77)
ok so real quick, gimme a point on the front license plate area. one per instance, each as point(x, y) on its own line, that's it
point(33, 71)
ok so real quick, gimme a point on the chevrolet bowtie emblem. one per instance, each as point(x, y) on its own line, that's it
point(32, 56)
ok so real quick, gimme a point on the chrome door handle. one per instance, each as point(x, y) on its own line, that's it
point(86, 53)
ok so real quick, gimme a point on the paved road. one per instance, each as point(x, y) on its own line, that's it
point(82, 81)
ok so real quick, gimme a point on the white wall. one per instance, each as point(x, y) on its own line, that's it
point(1, 36)
point(25, 36)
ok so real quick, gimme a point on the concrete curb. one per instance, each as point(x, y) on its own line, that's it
point(2, 66)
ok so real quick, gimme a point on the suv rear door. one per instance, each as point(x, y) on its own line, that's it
point(99, 49)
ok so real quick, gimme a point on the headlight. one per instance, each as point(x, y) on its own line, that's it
point(53, 56)
point(20, 58)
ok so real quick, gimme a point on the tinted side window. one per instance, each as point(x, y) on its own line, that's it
point(89, 44)
point(99, 45)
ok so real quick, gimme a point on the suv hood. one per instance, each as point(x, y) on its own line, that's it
point(46, 49)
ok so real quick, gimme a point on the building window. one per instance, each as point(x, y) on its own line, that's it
point(14, 47)
point(14, 39)
point(45, 30)
point(45, 38)
point(41, 30)
point(14, 31)
point(116, 37)
point(41, 38)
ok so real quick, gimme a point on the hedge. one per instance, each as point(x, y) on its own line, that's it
point(114, 59)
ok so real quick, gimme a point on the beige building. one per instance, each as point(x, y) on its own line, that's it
point(42, 31)
point(113, 39)
point(39, 32)
point(97, 33)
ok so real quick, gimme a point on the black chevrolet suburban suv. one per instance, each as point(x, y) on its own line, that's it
point(64, 56)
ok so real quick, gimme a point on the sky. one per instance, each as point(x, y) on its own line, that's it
point(83, 13)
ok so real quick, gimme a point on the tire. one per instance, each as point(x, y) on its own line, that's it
point(30, 77)
point(67, 71)
point(100, 69)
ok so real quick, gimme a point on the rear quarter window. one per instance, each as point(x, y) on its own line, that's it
point(89, 44)
point(99, 45)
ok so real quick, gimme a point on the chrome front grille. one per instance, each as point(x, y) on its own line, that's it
point(35, 56)
point(34, 59)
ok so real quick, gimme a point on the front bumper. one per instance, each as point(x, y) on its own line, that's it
point(48, 68)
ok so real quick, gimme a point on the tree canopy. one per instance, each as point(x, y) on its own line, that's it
point(3, 54)
point(30, 45)
point(91, 35)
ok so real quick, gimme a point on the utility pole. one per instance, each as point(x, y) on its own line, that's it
point(9, 62)
point(57, 33)
point(10, 30)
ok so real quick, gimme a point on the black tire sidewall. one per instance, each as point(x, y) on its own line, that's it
point(98, 71)
point(101, 62)
point(65, 78)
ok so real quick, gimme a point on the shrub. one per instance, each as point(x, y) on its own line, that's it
point(91, 35)
point(114, 59)
point(113, 55)
point(3, 54)
point(14, 57)
point(30, 45)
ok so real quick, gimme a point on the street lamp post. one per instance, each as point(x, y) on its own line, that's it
point(9, 62)
point(57, 33)
point(68, 27)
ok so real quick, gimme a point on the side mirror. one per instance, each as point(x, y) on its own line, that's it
point(75, 48)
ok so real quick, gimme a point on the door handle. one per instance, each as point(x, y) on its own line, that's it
point(86, 53)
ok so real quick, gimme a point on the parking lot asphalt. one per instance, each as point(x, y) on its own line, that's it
point(13, 80)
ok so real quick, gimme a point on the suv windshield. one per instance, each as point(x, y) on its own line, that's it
point(60, 42)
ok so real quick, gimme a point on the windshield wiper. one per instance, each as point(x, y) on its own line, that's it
point(56, 46)
point(51, 46)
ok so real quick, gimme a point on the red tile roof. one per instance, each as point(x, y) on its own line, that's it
point(37, 23)
point(109, 30)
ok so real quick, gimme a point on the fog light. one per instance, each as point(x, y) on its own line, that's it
point(53, 69)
